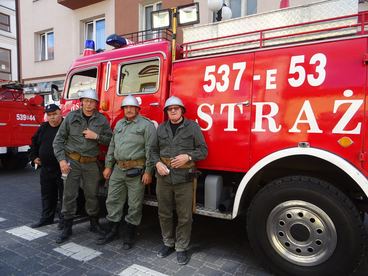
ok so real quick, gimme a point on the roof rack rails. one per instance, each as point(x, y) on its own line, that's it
point(147, 36)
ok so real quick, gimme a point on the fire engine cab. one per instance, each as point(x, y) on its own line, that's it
point(19, 119)
point(283, 108)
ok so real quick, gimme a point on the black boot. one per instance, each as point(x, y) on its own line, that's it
point(41, 222)
point(95, 226)
point(111, 235)
point(129, 236)
point(67, 231)
point(60, 225)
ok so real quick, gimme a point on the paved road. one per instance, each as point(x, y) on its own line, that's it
point(218, 247)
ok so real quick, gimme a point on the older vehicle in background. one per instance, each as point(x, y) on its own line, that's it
point(19, 120)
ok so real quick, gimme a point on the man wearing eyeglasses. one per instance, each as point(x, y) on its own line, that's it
point(179, 143)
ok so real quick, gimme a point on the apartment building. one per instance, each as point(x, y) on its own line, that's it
point(52, 35)
point(8, 41)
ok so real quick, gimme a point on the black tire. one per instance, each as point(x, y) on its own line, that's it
point(304, 226)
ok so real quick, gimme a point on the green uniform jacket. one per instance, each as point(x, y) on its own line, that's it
point(132, 140)
point(187, 140)
point(70, 137)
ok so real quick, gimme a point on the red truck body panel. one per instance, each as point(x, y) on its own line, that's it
point(19, 119)
point(312, 110)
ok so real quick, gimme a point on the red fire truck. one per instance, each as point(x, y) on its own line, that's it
point(284, 113)
point(19, 120)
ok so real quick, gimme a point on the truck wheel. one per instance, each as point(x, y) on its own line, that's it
point(304, 226)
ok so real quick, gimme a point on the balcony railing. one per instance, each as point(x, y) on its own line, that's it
point(149, 36)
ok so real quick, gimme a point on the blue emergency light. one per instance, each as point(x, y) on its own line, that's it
point(116, 41)
point(89, 44)
point(89, 48)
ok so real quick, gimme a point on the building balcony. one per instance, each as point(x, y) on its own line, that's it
point(77, 4)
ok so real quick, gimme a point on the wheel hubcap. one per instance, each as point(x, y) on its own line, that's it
point(301, 233)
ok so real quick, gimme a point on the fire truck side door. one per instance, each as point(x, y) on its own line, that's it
point(217, 93)
point(143, 77)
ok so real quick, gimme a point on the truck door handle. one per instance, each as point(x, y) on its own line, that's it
point(154, 104)
point(246, 103)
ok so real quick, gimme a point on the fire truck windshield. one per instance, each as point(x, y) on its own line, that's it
point(11, 95)
point(82, 80)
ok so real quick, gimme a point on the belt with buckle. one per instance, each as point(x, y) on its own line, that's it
point(81, 159)
point(128, 164)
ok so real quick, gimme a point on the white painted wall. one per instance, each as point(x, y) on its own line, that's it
point(44, 15)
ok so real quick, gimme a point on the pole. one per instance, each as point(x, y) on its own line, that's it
point(173, 41)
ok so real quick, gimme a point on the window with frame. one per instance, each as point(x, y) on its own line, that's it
point(251, 7)
point(5, 64)
point(80, 81)
point(95, 30)
point(47, 46)
point(4, 22)
point(141, 77)
point(146, 17)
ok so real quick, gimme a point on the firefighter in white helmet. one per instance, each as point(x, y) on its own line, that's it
point(76, 147)
point(178, 145)
point(129, 167)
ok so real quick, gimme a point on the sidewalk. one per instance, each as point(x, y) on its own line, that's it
point(26, 251)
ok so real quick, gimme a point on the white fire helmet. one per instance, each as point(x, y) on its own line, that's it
point(88, 94)
point(130, 101)
point(174, 101)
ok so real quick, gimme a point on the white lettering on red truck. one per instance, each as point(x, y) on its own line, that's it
point(217, 78)
point(25, 117)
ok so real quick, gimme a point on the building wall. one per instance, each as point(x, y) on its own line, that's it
point(121, 16)
point(8, 40)
point(68, 35)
